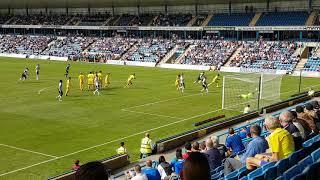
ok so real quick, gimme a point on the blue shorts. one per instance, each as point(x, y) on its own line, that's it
point(263, 163)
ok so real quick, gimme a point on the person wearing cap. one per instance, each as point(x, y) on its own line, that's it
point(146, 146)
point(121, 149)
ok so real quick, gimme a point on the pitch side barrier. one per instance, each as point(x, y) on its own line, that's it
point(178, 140)
point(111, 163)
point(287, 103)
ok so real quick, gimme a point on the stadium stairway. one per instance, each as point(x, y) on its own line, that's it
point(312, 18)
point(107, 21)
point(255, 19)
point(116, 21)
point(301, 63)
point(206, 22)
point(168, 55)
point(192, 21)
point(180, 58)
point(227, 64)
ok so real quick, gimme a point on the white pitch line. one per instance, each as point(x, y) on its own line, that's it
point(162, 101)
point(26, 150)
point(151, 114)
point(27, 167)
point(39, 92)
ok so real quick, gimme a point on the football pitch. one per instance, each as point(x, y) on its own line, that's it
point(41, 137)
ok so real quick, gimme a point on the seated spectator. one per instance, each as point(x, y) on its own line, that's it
point(281, 145)
point(234, 143)
point(195, 147)
point(308, 119)
point(213, 155)
point(196, 167)
point(139, 175)
point(164, 168)
point(202, 146)
point(221, 147)
point(243, 133)
point(177, 167)
point(286, 122)
point(92, 171)
point(256, 146)
point(175, 159)
point(76, 165)
point(151, 173)
point(188, 147)
point(311, 112)
point(302, 125)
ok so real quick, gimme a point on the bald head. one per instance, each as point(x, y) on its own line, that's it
point(286, 116)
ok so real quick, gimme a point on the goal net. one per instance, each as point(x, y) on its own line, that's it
point(256, 90)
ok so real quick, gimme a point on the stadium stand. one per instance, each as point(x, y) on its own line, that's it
point(313, 62)
point(40, 19)
point(266, 55)
point(172, 20)
point(149, 50)
point(210, 53)
point(283, 19)
point(70, 47)
point(236, 19)
point(92, 20)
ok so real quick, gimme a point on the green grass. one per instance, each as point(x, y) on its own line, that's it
point(69, 128)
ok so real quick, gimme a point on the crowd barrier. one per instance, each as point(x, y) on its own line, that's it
point(40, 57)
point(111, 163)
point(178, 140)
point(185, 66)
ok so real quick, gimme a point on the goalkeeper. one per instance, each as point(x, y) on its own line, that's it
point(215, 80)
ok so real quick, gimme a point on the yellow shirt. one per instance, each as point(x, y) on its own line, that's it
point(81, 78)
point(100, 76)
point(121, 150)
point(215, 79)
point(68, 83)
point(90, 78)
point(106, 80)
point(131, 77)
point(281, 142)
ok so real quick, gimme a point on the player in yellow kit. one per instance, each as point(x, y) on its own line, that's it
point(100, 77)
point(107, 80)
point(81, 81)
point(90, 81)
point(215, 80)
point(129, 81)
point(68, 86)
point(176, 83)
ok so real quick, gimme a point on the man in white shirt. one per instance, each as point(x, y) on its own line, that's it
point(139, 175)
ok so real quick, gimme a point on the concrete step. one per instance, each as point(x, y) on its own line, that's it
point(206, 22)
point(255, 19)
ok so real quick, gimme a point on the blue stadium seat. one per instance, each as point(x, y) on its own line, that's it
point(244, 178)
point(280, 178)
point(313, 172)
point(268, 166)
point(308, 143)
point(315, 155)
point(255, 173)
point(232, 176)
point(305, 162)
point(295, 157)
point(282, 166)
point(290, 173)
point(271, 173)
point(302, 176)
point(316, 138)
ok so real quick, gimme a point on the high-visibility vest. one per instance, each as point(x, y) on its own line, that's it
point(121, 150)
point(146, 146)
point(246, 110)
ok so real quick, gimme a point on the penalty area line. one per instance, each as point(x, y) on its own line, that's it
point(43, 89)
point(26, 150)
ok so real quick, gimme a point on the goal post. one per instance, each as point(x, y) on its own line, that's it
point(256, 90)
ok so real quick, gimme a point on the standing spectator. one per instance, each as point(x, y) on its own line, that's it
point(76, 165)
point(286, 122)
point(221, 147)
point(308, 119)
point(146, 146)
point(256, 146)
point(213, 155)
point(196, 167)
point(281, 145)
point(188, 147)
point(151, 173)
point(121, 149)
point(234, 143)
point(139, 175)
point(92, 171)
point(164, 168)
point(175, 159)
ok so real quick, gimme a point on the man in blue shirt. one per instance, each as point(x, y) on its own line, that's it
point(257, 145)
point(234, 143)
point(152, 173)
